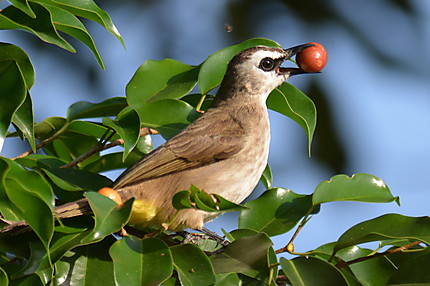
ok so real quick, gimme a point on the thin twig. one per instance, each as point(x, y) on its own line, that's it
point(290, 247)
point(92, 151)
point(43, 143)
point(102, 146)
point(342, 263)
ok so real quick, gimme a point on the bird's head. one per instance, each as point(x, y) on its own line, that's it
point(258, 70)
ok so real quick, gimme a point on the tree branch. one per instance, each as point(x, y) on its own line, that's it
point(342, 263)
point(101, 146)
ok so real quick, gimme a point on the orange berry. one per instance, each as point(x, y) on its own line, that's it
point(111, 194)
point(312, 59)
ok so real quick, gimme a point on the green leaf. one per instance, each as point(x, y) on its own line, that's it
point(12, 94)
point(414, 271)
point(358, 188)
point(49, 127)
point(112, 161)
point(66, 22)
point(23, 120)
point(286, 210)
point(247, 255)
point(192, 265)
point(23, 6)
point(4, 280)
point(91, 129)
point(84, 109)
point(14, 53)
point(41, 26)
point(37, 263)
point(89, 10)
point(167, 116)
point(141, 262)
point(291, 102)
point(87, 265)
point(39, 161)
point(212, 70)
point(388, 226)
point(32, 199)
point(227, 279)
point(375, 271)
point(266, 177)
point(6, 206)
point(165, 79)
point(77, 180)
point(127, 125)
point(70, 145)
point(303, 271)
point(198, 199)
point(109, 216)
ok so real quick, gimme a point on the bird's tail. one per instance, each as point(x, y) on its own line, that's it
point(72, 209)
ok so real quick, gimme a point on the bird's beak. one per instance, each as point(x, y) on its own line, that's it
point(290, 53)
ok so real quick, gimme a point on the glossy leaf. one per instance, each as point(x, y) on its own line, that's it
point(414, 271)
point(4, 280)
point(39, 161)
point(227, 279)
point(109, 217)
point(266, 177)
point(24, 7)
point(167, 116)
point(388, 226)
point(291, 102)
point(87, 9)
point(247, 255)
point(84, 109)
point(87, 265)
point(49, 127)
point(198, 199)
point(68, 23)
point(303, 271)
point(12, 94)
point(111, 161)
point(286, 210)
point(23, 120)
point(71, 145)
point(32, 199)
point(165, 79)
point(192, 265)
point(212, 70)
point(41, 26)
point(7, 208)
point(141, 262)
point(375, 271)
point(37, 264)
point(9, 52)
point(358, 188)
point(77, 180)
point(90, 129)
point(128, 127)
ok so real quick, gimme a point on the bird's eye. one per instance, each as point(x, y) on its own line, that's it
point(267, 64)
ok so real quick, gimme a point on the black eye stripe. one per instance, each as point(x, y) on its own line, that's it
point(267, 64)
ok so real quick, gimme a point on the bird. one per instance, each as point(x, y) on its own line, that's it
point(224, 151)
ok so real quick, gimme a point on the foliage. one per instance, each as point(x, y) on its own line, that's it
point(160, 96)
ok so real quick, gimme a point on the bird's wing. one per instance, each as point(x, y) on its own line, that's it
point(200, 144)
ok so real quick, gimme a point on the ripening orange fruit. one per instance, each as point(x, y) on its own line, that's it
point(312, 59)
point(111, 194)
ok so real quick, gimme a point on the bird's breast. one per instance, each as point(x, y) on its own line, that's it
point(240, 173)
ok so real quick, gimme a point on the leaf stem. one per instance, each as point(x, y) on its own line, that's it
point(199, 105)
point(290, 247)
